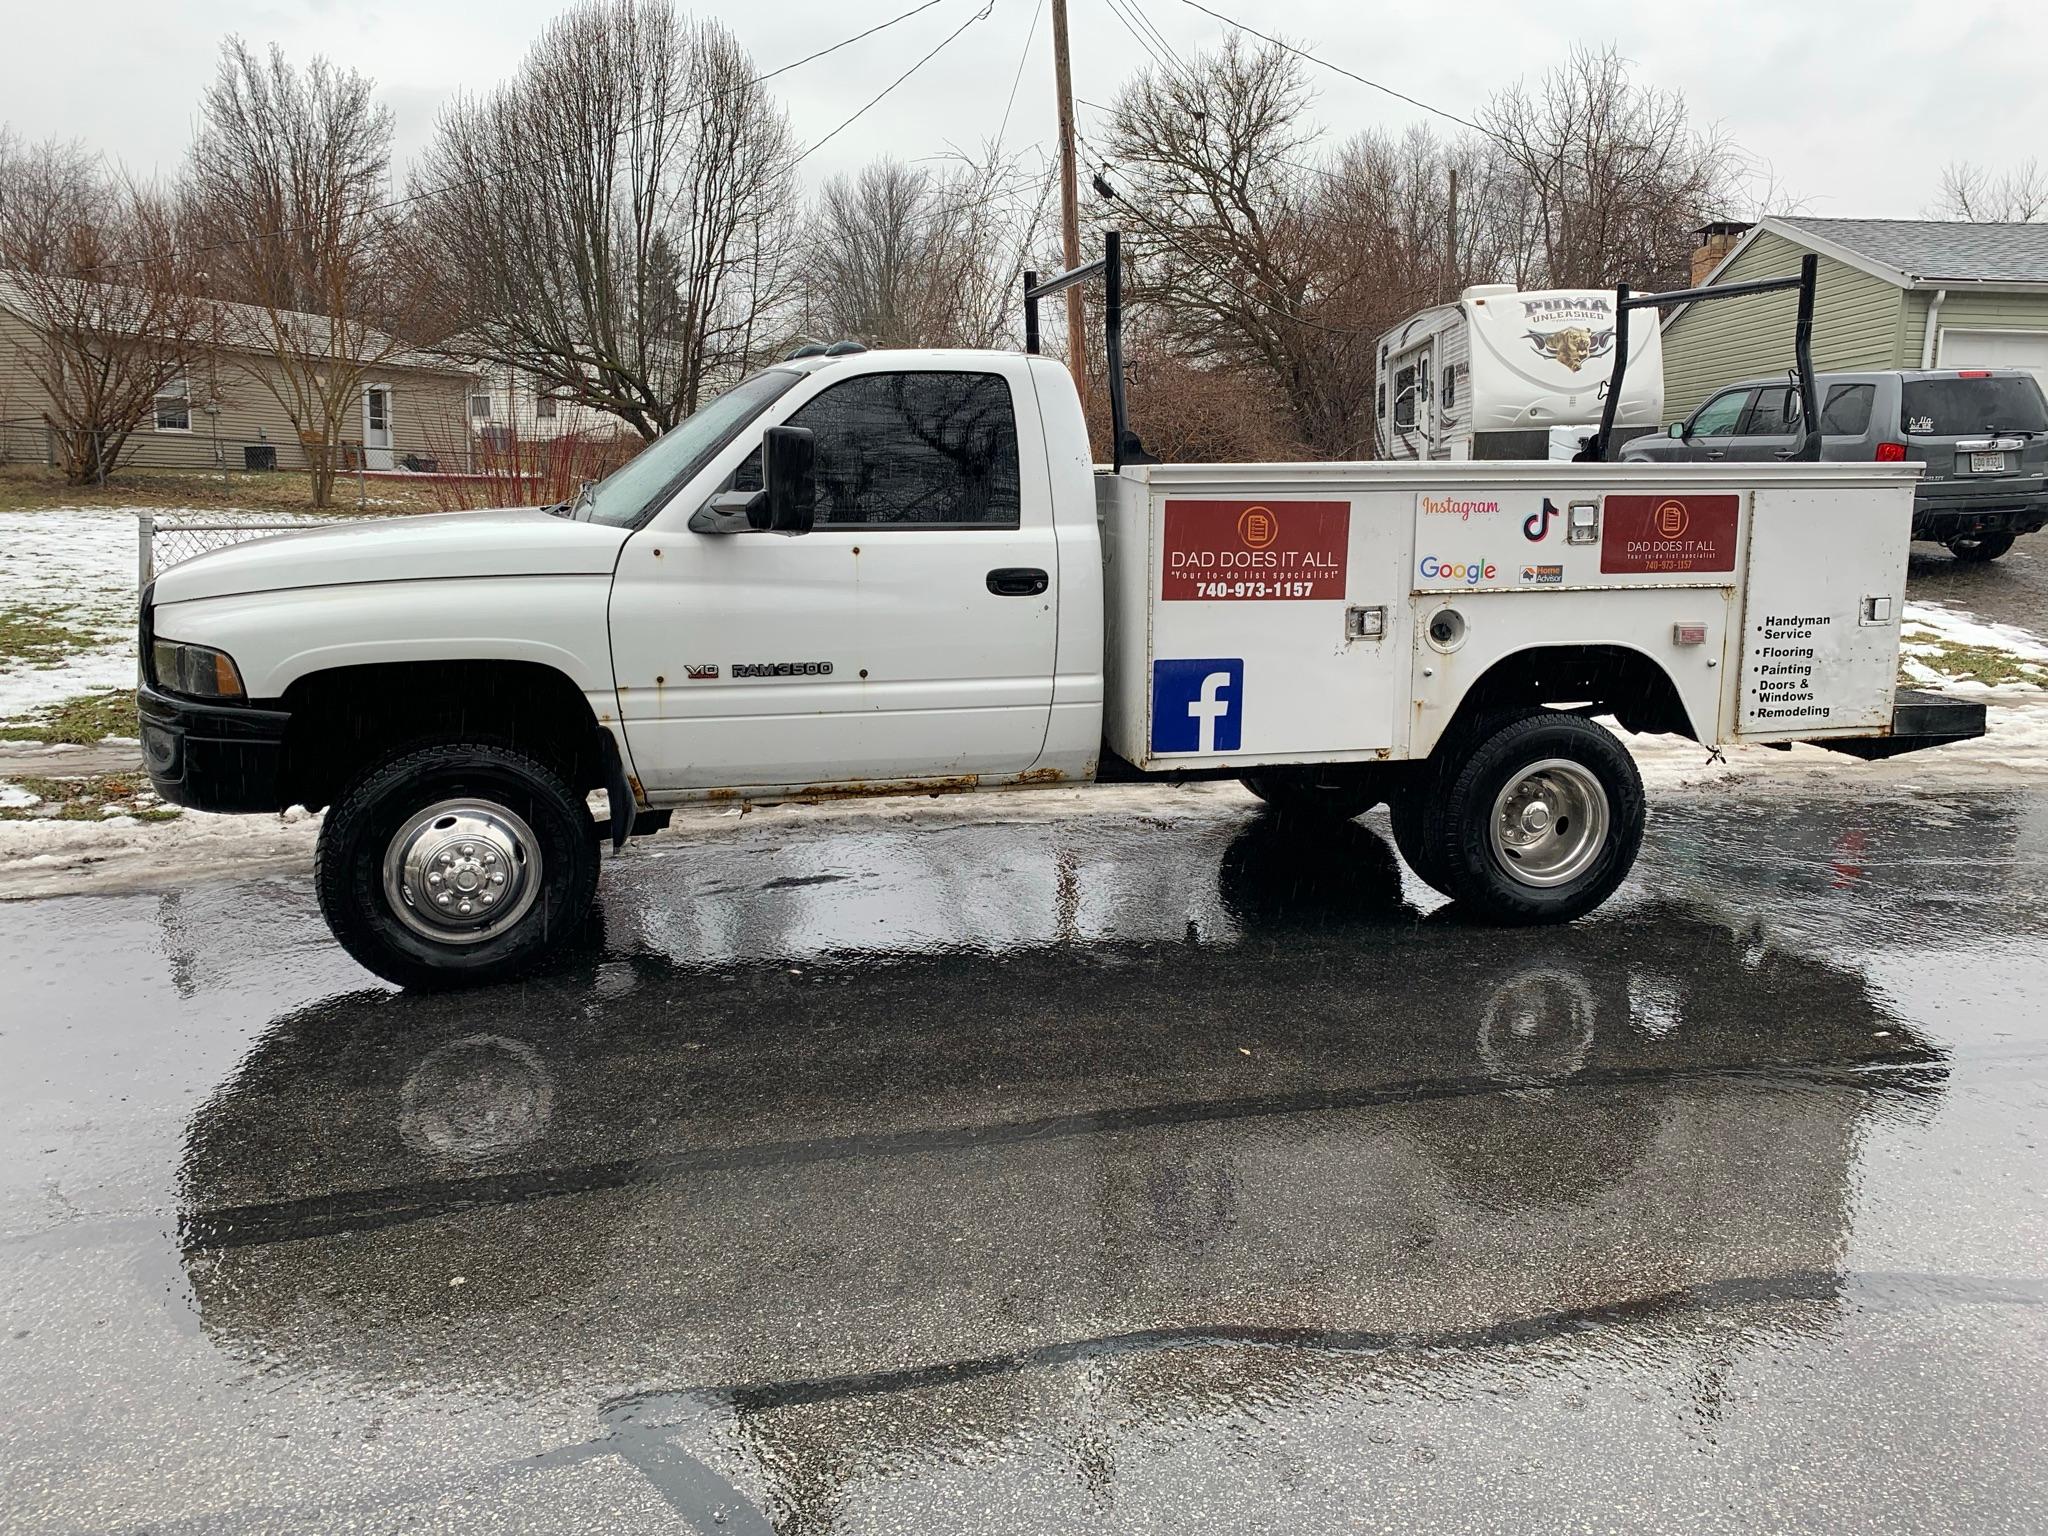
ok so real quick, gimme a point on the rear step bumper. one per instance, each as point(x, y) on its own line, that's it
point(1919, 720)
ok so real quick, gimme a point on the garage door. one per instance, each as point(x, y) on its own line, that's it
point(1995, 349)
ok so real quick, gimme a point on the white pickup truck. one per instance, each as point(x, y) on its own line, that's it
point(867, 572)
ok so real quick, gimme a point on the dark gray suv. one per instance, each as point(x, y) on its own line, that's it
point(1981, 433)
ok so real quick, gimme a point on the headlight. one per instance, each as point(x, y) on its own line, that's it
point(196, 670)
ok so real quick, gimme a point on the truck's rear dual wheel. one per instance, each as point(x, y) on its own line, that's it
point(1525, 818)
point(455, 864)
point(1335, 792)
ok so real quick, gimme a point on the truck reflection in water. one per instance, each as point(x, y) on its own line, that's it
point(803, 1229)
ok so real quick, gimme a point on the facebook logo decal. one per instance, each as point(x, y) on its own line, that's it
point(1198, 706)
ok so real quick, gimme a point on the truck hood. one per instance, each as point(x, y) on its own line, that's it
point(518, 541)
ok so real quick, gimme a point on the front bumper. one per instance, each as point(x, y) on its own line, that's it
point(1919, 720)
point(213, 757)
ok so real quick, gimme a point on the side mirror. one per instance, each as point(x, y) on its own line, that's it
point(788, 455)
point(1678, 430)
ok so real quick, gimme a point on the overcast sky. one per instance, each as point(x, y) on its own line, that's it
point(1856, 106)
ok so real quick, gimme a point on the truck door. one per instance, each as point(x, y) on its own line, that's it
point(909, 635)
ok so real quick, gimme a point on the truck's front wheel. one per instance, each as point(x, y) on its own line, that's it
point(1539, 822)
point(455, 864)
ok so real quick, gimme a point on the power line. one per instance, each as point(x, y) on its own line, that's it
point(649, 121)
point(980, 15)
point(1145, 20)
point(1349, 74)
point(1142, 40)
point(1023, 58)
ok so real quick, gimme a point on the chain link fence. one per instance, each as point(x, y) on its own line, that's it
point(163, 539)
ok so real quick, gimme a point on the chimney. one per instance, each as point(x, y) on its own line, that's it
point(1714, 241)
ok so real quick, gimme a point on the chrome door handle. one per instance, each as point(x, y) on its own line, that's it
point(1018, 581)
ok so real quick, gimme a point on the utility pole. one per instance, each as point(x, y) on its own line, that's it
point(1451, 244)
point(1070, 204)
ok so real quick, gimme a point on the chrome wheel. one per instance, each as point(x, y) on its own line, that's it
point(1549, 822)
point(462, 870)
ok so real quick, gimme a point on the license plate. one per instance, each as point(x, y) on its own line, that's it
point(1987, 463)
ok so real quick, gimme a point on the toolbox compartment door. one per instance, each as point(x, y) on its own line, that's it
point(1820, 628)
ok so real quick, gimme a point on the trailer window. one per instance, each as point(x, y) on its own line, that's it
point(1954, 407)
point(1451, 387)
point(925, 450)
point(1404, 397)
point(1847, 412)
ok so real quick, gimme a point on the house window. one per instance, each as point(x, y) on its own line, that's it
point(544, 407)
point(174, 407)
point(480, 407)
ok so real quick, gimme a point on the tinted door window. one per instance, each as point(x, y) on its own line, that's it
point(1404, 397)
point(917, 450)
point(1961, 407)
point(1846, 412)
point(1773, 413)
point(1720, 416)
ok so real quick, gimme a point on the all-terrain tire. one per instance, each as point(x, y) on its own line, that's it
point(1339, 792)
point(1407, 813)
point(1980, 548)
point(350, 875)
point(1458, 826)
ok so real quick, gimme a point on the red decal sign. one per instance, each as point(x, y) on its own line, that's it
point(1656, 535)
point(1231, 551)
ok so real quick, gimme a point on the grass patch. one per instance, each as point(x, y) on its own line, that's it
point(87, 799)
point(83, 721)
point(31, 487)
point(39, 636)
point(1979, 663)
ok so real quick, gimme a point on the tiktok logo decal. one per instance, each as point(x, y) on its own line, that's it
point(1536, 526)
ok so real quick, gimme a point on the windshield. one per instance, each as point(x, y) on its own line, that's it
point(1960, 406)
point(628, 495)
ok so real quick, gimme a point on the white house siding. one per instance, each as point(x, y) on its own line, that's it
point(515, 408)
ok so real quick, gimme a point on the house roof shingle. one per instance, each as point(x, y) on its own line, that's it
point(1936, 250)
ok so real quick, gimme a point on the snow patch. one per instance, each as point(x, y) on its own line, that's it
point(79, 563)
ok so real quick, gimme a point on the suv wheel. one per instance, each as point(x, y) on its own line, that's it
point(456, 864)
point(1976, 548)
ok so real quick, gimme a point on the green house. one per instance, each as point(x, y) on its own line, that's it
point(1892, 293)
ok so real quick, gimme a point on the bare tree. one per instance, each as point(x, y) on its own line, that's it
point(1607, 177)
point(1974, 195)
point(95, 265)
point(1226, 225)
point(285, 182)
point(904, 256)
point(615, 221)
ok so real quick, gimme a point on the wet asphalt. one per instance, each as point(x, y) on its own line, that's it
point(2013, 589)
point(1119, 1173)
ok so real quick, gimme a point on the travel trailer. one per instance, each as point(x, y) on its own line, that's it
point(1501, 374)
